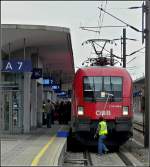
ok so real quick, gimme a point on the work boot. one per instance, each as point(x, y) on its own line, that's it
point(106, 151)
point(99, 154)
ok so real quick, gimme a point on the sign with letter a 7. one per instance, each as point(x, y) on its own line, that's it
point(16, 66)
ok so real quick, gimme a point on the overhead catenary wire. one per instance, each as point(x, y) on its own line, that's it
point(107, 26)
point(131, 60)
point(135, 51)
point(88, 28)
point(132, 7)
point(134, 28)
point(99, 21)
point(91, 30)
point(103, 17)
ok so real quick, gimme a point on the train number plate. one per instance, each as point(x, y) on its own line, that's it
point(103, 112)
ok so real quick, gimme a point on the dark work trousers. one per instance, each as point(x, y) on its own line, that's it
point(49, 120)
point(101, 145)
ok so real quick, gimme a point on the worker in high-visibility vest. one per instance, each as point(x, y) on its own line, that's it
point(102, 132)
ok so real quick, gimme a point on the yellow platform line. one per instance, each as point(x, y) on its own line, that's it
point(42, 151)
point(36, 160)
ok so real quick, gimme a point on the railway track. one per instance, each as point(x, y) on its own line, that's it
point(138, 126)
point(77, 159)
point(121, 158)
point(86, 158)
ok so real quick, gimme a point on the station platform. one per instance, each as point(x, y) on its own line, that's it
point(42, 147)
point(138, 116)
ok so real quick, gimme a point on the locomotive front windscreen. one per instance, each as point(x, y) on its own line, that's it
point(98, 88)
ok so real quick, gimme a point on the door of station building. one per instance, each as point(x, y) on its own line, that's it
point(11, 111)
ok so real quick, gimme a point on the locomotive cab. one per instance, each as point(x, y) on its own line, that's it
point(101, 91)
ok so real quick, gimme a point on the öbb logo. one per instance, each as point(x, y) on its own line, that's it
point(103, 112)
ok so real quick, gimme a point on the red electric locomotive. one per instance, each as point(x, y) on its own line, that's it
point(101, 91)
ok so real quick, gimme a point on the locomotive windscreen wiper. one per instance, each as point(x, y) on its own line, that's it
point(109, 94)
point(107, 99)
point(110, 97)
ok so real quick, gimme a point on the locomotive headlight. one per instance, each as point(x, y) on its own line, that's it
point(80, 110)
point(125, 110)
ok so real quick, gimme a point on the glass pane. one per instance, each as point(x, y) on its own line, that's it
point(6, 110)
point(88, 88)
point(97, 88)
point(116, 84)
point(107, 86)
point(98, 83)
point(88, 83)
point(15, 109)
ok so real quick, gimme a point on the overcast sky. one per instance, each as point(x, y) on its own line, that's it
point(83, 13)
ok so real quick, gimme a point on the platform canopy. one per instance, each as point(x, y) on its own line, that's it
point(140, 80)
point(53, 45)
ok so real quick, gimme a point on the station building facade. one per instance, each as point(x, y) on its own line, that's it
point(28, 50)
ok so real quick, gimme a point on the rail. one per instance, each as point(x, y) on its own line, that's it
point(87, 155)
point(138, 126)
point(128, 158)
point(78, 158)
point(121, 158)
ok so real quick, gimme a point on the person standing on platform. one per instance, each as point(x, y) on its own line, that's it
point(52, 112)
point(65, 118)
point(102, 132)
point(60, 112)
point(44, 114)
point(49, 108)
point(57, 111)
point(69, 110)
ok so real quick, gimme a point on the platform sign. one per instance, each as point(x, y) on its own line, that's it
point(48, 81)
point(36, 73)
point(16, 66)
point(62, 94)
point(45, 81)
point(55, 87)
point(51, 81)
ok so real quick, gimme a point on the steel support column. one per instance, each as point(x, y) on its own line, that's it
point(147, 74)
point(124, 47)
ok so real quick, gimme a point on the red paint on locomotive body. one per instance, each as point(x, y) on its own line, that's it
point(93, 109)
point(102, 91)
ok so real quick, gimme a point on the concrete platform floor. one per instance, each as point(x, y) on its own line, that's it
point(41, 147)
point(138, 116)
point(111, 159)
